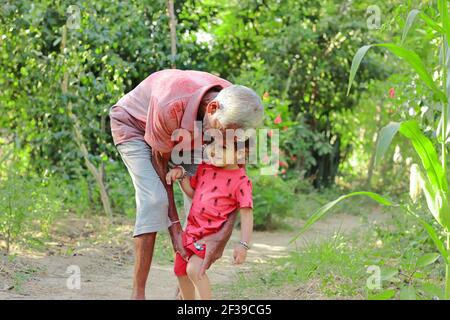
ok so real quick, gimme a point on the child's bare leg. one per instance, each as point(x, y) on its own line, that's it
point(187, 288)
point(202, 285)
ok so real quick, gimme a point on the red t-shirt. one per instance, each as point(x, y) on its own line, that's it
point(218, 192)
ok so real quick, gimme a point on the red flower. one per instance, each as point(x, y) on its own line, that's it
point(270, 133)
point(392, 92)
point(283, 171)
point(293, 158)
point(277, 120)
point(283, 164)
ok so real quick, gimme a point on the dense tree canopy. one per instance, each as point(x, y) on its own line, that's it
point(294, 53)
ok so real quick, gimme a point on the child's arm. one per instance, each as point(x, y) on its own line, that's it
point(177, 173)
point(240, 251)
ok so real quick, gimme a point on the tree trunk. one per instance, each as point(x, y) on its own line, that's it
point(173, 32)
point(79, 139)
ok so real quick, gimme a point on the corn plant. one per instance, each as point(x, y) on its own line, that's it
point(430, 177)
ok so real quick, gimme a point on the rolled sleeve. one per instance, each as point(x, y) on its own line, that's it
point(161, 123)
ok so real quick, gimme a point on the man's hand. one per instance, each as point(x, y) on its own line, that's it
point(215, 244)
point(175, 232)
point(239, 254)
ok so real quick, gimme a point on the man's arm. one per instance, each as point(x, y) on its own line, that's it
point(215, 243)
point(160, 162)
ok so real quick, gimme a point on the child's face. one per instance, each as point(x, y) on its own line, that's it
point(221, 154)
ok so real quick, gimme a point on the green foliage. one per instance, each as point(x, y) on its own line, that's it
point(301, 145)
point(338, 267)
point(434, 186)
point(321, 212)
point(409, 56)
point(272, 201)
point(296, 51)
point(28, 206)
point(100, 67)
point(117, 44)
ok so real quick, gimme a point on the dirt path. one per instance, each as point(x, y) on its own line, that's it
point(106, 269)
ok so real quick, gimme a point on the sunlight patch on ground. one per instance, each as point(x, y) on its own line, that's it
point(268, 247)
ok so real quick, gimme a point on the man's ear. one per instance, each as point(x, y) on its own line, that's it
point(212, 107)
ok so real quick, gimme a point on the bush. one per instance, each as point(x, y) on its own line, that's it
point(28, 206)
point(272, 200)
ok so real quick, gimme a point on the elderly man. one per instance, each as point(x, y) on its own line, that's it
point(142, 124)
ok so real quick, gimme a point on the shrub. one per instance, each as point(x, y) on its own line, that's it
point(28, 206)
point(272, 201)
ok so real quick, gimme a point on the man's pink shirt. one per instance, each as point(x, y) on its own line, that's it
point(165, 101)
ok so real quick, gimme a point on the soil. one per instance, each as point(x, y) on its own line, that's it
point(106, 262)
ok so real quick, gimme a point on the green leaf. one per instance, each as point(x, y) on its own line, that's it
point(355, 64)
point(427, 153)
point(437, 199)
point(432, 290)
point(427, 259)
point(409, 22)
point(445, 19)
point(412, 17)
point(387, 133)
point(409, 56)
point(431, 232)
point(440, 126)
point(431, 23)
point(437, 242)
point(321, 212)
point(408, 293)
point(383, 295)
point(416, 63)
point(388, 274)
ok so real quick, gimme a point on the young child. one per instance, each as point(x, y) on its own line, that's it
point(218, 188)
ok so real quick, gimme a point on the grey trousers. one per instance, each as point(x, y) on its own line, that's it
point(151, 197)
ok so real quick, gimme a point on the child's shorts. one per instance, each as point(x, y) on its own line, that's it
point(191, 249)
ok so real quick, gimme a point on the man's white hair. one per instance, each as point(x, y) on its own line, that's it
point(239, 106)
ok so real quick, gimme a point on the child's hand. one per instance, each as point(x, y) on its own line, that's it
point(239, 254)
point(173, 175)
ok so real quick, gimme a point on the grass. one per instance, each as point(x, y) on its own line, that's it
point(338, 268)
point(308, 202)
point(21, 277)
point(14, 274)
